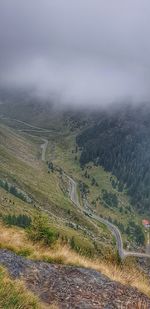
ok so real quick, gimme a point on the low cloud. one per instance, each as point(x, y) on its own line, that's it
point(82, 52)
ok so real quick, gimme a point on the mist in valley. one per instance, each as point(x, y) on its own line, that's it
point(77, 54)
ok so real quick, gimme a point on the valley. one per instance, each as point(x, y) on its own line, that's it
point(74, 154)
point(45, 165)
point(68, 164)
point(50, 198)
point(73, 193)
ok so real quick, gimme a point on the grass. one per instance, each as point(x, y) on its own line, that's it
point(10, 205)
point(48, 189)
point(45, 189)
point(16, 240)
point(13, 294)
point(20, 164)
point(23, 167)
point(81, 243)
point(63, 154)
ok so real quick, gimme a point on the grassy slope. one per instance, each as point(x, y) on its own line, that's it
point(20, 165)
point(63, 151)
point(16, 240)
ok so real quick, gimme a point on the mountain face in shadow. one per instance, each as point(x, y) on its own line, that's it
point(120, 142)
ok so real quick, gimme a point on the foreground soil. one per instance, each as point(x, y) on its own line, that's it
point(72, 287)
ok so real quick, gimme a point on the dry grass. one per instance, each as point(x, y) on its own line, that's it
point(16, 239)
point(13, 294)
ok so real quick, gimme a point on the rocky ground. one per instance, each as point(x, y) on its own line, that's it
point(144, 264)
point(72, 287)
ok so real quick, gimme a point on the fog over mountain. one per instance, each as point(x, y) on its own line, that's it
point(81, 51)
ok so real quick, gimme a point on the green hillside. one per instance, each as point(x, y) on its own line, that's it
point(120, 143)
point(96, 185)
point(100, 188)
point(38, 219)
point(21, 168)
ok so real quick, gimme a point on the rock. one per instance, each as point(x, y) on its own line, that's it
point(72, 287)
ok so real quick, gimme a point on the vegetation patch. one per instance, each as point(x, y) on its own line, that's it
point(17, 239)
point(109, 198)
point(121, 145)
point(40, 230)
point(15, 191)
point(13, 294)
point(21, 220)
point(135, 232)
point(84, 189)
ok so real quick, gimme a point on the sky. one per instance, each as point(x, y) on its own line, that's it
point(80, 51)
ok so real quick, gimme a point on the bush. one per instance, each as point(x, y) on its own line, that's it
point(41, 231)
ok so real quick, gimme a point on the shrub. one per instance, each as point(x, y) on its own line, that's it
point(41, 231)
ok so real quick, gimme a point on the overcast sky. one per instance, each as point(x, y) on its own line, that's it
point(83, 51)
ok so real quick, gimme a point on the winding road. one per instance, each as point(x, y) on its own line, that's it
point(114, 229)
point(75, 199)
point(44, 148)
point(73, 191)
point(39, 129)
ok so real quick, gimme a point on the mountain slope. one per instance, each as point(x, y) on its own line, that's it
point(46, 184)
point(99, 187)
point(21, 167)
point(120, 143)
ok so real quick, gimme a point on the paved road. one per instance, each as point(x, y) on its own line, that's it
point(25, 123)
point(44, 148)
point(114, 229)
point(33, 128)
point(136, 254)
point(74, 198)
point(73, 191)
